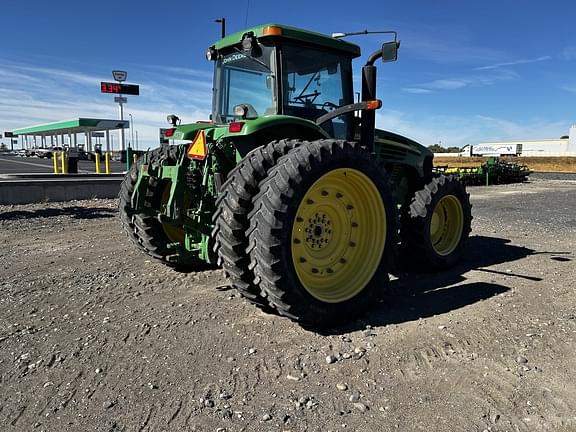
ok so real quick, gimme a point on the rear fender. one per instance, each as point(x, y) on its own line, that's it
point(263, 130)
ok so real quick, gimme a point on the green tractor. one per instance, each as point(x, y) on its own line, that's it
point(289, 187)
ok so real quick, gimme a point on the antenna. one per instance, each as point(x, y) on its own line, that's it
point(344, 34)
point(222, 22)
point(246, 18)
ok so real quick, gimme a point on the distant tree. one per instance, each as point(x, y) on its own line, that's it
point(453, 150)
point(436, 148)
point(564, 137)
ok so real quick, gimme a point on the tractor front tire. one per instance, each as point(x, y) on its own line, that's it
point(322, 233)
point(231, 217)
point(435, 225)
point(146, 232)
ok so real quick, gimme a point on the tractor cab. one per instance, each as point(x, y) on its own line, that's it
point(279, 70)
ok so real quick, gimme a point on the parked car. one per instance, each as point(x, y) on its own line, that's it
point(47, 152)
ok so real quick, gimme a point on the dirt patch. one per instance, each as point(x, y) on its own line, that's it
point(95, 336)
point(542, 164)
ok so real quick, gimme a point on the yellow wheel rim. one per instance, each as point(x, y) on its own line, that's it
point(338, 236)
point(174, 233)
point(446, 225)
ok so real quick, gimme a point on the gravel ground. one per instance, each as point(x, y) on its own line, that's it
point(95, 336)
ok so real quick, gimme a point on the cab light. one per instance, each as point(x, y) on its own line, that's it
point(235, 127)
point(272, 31)
point(197, 149)
point(169, 132)
point(373, 104)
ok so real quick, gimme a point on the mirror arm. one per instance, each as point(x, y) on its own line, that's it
point(343, 110)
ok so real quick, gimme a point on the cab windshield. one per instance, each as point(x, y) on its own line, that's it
point(315, 85)
point(244, 79)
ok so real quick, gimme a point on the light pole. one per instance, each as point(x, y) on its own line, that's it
point(120, 76)
point(132, 130)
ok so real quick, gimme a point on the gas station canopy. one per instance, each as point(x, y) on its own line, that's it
point(79, 125)
point(71, 128)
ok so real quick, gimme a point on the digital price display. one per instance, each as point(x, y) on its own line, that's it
point(117, 88)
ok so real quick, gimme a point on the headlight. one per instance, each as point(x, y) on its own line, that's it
point(211, 54)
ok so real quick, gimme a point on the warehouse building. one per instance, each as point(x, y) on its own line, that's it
point(565, 146)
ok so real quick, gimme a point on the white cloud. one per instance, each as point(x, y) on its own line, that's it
point(31, 95)
point(448, 51)
point(513, 63)
point(60, 75)
point(457, 83)
point(448, 84)
point(416, 90)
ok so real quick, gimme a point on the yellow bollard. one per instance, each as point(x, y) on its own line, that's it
point(55, 162)
point(107, 162)
point(64, 163)
point(97, 159)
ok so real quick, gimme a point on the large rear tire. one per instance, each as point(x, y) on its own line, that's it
point(322, 233)
point(231, 217)
point(435, 225)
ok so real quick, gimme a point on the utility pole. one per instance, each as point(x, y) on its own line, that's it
point(131, 130)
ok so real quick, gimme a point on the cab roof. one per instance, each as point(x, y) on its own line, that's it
point(293, 33)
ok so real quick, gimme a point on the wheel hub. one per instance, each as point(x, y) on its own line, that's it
point(319, 231)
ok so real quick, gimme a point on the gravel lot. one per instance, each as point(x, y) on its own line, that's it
point(95, 336)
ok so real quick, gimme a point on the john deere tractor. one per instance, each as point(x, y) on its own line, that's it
point(289, 187)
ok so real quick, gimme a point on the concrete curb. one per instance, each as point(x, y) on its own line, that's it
point(18, 190)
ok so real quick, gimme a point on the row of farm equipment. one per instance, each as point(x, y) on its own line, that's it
point(493, 171)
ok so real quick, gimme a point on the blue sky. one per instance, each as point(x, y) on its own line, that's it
point(467, 71)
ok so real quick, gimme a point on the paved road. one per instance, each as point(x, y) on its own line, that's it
point(28, 165)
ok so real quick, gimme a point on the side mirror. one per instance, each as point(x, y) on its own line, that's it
point(390, 51)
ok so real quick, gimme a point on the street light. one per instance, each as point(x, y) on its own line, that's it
point(131, 129)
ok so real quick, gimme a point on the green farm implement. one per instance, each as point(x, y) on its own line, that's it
point(289, 187)
point(493, 171)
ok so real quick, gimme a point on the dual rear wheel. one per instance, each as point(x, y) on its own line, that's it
point(316, 238)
